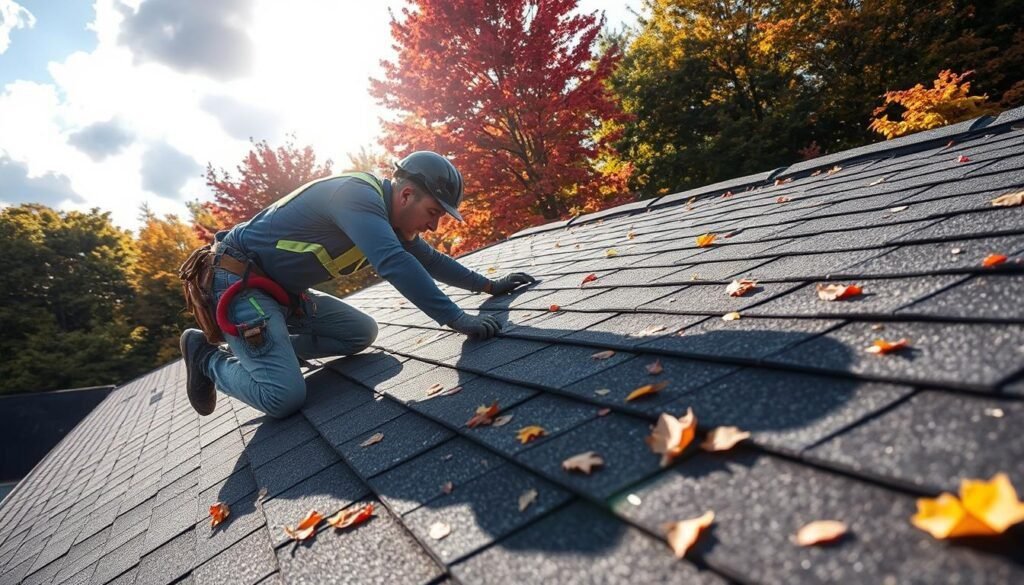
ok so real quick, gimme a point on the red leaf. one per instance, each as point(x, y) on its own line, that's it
point(993, 260)
point(588, 278)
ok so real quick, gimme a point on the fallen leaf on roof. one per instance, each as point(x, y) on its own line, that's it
point(838, 292)
point(351, 516)
point(1009, 199)
point(602, 392)
point(603, 355)
point(603, 411)
point(876, 182)
point(962, 159)
point(984, 508)
point(436, 388)
point(835, 170)
point(583, 462)
point(671, 436)
point(723, 438)
point(447, 487)
point(899, 208)
point(647, 390)
point(738, 288)
point(783, 199)
point(526, 498)
point(733, 316)
point(652, 330)
point(373, 440)
point(993, 260)
point(554, 308)
point(682, 535)
point(502, 420)
point(439, 530)
point(705, 240)
point(783, 181)
point(882, 347)
point(491, 270)
point(557, 245)
point(611, 253)
point(819, 532)
point(689, 203)
point(218, 512)
point(654, 368)
point(630, 234)
point(484, 415)
point(588, 278)
point(727, 195)
point(306, 527)
point(530, 433)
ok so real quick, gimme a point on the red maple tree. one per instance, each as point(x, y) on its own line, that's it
point(265, 175)
point(514, 93)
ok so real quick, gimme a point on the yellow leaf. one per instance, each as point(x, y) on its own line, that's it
point(733, 316)
point(611, 253)
point(683, 534)
point(527, 434)
point(705, 240)
point(671, 436)
point(646, 390)
point(1009, 199)
point(723, 438)
point(945, 517)
point(993, 502)
point(820, 532)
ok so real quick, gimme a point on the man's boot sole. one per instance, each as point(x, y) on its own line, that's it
point(189, 375)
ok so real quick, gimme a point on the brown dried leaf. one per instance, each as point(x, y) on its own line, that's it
point(584, 462)
point(372, 440)
point(738, 288)
point(306, 527)
point(654, 368)
point(526, 498)
point(819, 532)
point(646, 390)
point(683, 534)
point(484, 415)
point(671, 436)
point(652, 330)
point(723, 438)
point(351, 516)
point(447, 487)
point(603, 355)
point(604, 411)
point(1009, 199)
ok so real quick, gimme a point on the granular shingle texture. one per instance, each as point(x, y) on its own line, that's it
point(836, 432)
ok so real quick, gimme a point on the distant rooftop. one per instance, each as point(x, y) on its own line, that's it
point(837, 433)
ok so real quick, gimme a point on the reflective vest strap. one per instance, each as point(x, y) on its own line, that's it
point(365, 177)
point(352, 256)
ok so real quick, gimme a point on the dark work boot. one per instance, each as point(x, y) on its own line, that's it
point(196, 351)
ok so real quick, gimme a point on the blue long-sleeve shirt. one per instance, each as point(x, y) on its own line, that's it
point(334, 227)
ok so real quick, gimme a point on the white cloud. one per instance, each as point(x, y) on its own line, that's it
point(12, 16)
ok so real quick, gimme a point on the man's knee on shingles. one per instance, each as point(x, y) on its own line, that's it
point(281, 401)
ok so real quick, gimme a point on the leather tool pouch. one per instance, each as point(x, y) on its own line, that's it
point(196, 275)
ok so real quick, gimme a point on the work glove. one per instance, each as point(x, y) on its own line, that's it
point(510, 282)
point(476, 327)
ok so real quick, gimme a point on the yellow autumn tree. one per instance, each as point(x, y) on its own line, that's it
point(948, 101)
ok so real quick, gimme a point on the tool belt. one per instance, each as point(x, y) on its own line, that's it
point(196, 275)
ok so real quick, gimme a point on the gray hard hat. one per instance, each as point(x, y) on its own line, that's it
point(437, 175)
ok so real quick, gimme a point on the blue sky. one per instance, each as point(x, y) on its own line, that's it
point(117, 103)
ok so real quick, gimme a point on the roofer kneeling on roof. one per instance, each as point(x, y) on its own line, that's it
point(258, 274)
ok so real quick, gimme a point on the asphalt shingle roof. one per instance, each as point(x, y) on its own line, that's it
point(836, 433)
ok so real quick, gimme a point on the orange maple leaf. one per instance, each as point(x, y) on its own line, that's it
point(740, 287)
point(820, 532)
point(484, 415)
point(882, 347)
point(671, 436)
point(306, 527)
point(984, 508)
point(588, 278)
point(705, 240)
point(838, 292)
point(554, 308)
point(530, 433)
point(351, 516)
point(993, 260)
point(218, 512)
point(583, 462)
point(646, 390)
point(683, 534)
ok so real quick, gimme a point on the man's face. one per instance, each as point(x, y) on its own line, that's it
point(412, 214)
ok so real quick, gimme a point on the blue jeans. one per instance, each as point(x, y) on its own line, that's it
point(266, 376)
